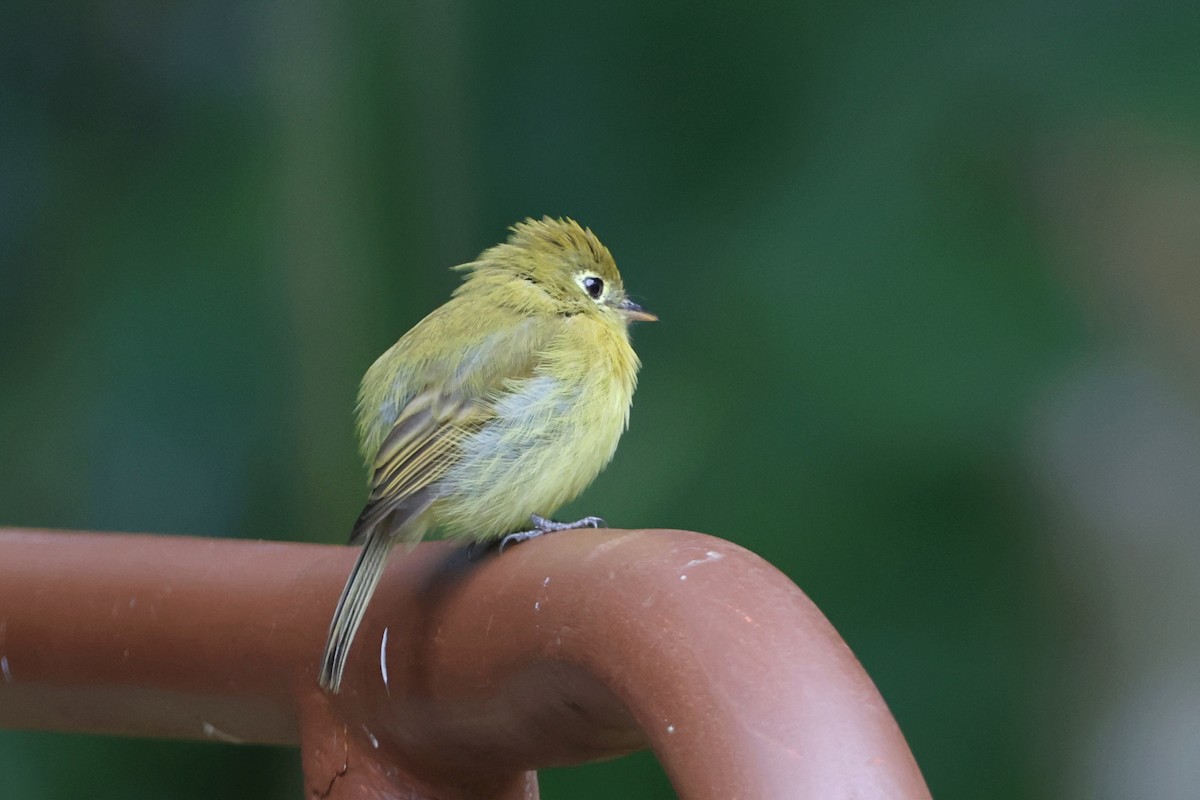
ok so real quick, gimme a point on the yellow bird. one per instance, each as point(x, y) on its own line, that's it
point(496, 409)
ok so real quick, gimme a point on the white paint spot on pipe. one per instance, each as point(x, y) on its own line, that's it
point(710, 556)
point(213, 732)
point(670, 729)
point(371, 736)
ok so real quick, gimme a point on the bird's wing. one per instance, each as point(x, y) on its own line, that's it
point(423, 443)
point(421, 447)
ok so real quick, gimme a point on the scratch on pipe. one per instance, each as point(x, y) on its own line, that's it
point(609, 543)
point(772, 739)
point(383, 662)
point(8, 678)
point(213, 732)
point(345, 765)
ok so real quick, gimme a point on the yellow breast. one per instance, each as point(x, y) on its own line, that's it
point(552, 433)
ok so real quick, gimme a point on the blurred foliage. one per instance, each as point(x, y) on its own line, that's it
point(213, 216)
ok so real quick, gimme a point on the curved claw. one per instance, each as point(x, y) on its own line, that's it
point(474, 551)
point(515, 538)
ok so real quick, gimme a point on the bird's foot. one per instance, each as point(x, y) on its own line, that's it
point(541, 526)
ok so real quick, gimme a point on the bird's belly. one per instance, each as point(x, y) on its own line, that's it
point(547, 442)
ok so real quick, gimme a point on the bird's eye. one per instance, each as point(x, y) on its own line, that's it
point(593, 286)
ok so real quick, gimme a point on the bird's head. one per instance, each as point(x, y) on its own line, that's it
point(554, 265)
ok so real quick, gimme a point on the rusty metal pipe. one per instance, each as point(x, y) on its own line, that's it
point(466, 675)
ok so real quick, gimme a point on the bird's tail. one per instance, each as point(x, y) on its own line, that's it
point(353, 603)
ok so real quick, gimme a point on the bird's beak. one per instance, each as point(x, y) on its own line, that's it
point(635, 313)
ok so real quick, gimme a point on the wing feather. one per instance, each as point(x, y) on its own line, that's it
point(418, 451)
point(451, 397)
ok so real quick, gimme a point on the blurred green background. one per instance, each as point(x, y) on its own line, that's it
point(929, 280)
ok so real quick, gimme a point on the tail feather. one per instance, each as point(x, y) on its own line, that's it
point(405, 522)
point(364, 577)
